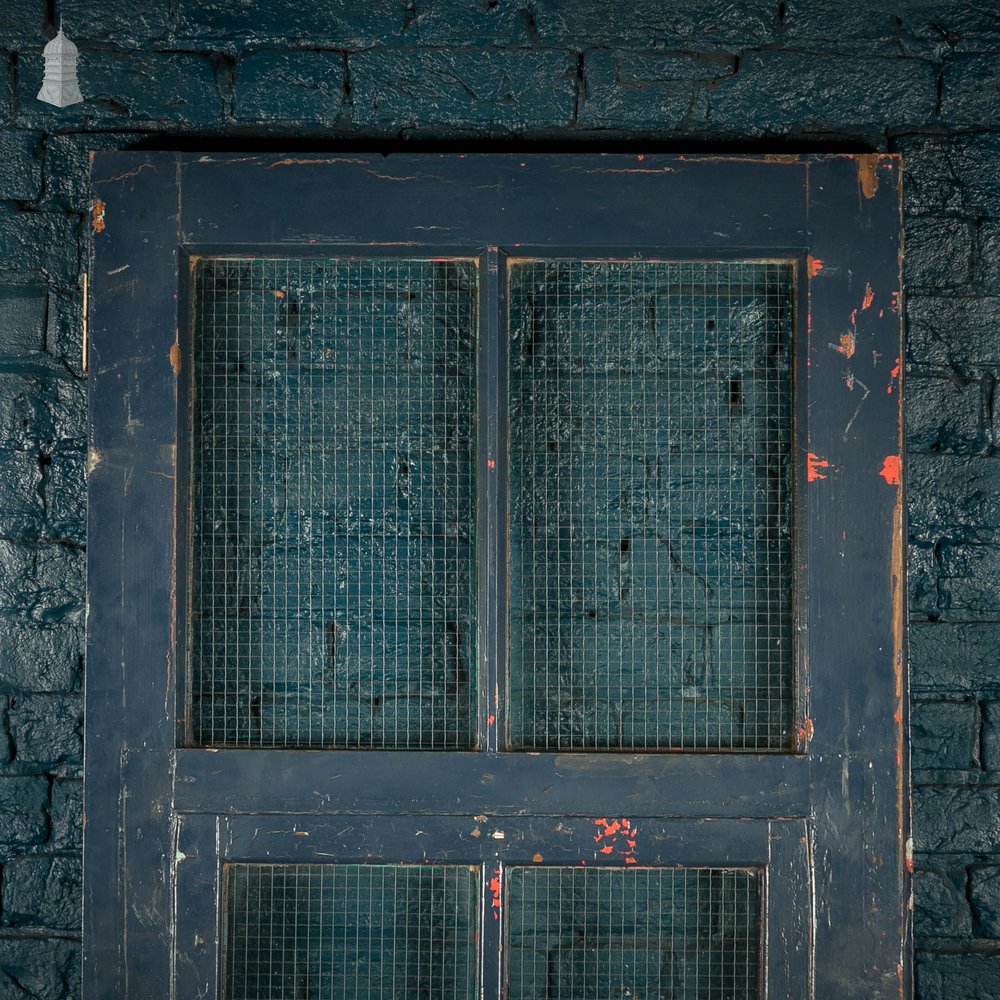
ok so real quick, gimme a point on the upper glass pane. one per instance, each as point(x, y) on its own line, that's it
point(651, 516)
point(333, 503)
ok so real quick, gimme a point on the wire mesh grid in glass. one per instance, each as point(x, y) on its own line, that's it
point(333, 503)
point(644, 933)
point(650, 505)
point(364, 932)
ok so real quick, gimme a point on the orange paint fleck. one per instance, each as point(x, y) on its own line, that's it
point(492, 719)
point(866, 302)
point(806, 730)
point(97, 217)
point(847, 345)
point(813, 464)
point(890, 470)
point(537, 858)
point(279, 294)
point(854, 317)
point(895, 371)
point(894, 302)
point(631, 861)
point(815, 266)
point(607, 850)
point(490, 463)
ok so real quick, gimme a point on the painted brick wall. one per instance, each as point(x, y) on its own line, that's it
point(915, 77)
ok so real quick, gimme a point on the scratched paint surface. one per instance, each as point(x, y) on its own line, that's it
point(359, 931)
point(333, 503)
point(650, 933)
point(650, 428)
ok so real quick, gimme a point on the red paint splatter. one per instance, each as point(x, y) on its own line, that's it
point(490, 463)
point(890, 470)
point(894, 302)
point(866, 302)
point(813, 464)
point(895, 371)
point(492, 719)
point(495, 888)
point(854, 317)
point(815, 266)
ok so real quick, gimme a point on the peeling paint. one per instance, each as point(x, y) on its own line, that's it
point(890, 470)
point(866, 302)
point(815, 266)
point(847, 345)
point(93, 460)
point(175, 358)
point(867, 177)
point(813, 464)
point(97, 216)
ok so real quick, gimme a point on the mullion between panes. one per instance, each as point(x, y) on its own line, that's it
point(491, 497)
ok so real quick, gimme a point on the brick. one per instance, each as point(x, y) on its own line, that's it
point(227, 26)
point(969, 584)
point(117, 91)
point(953, 498)
point(20, 164)
point(957, 819)
point(39, 969)
point(46, 729)
point(872, 29)
point(23, 805)
point(296, 88)
point(922, 577)
point(954, 658)
point(948, 415)
point(940, 906)
point(40, 659)
point(984, 891)
point(776, 91)
point(33, 242)
point(513, 89)
point(469, 23)
point(67, 815)
point(988, 264)
point(22, 512)
point(23, 21)
point(23, 317)
point(953, 332)
point(45, 583)
point(636, 24)
point(66, 168)
point(66, 495)
point(931, 184)
point(40, 406)
point(124, 24)
point(944, 734)
point(625, 90)
point(991, 735)
point(42, 892)
point(969, 83)
point(957, 977)
point(938, 253)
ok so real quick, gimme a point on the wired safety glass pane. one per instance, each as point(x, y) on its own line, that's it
point(649, 933)
point(333, 503)
point(650, 490)
point(318, 932)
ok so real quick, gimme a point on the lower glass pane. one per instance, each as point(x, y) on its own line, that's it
point(649, 933)
point(364, 932)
